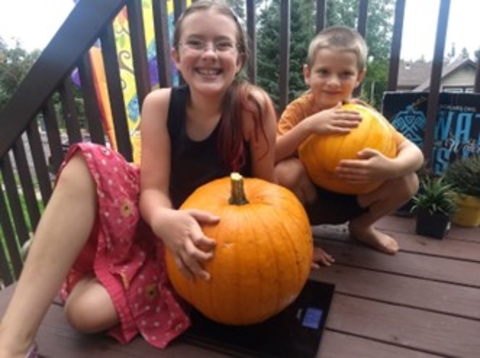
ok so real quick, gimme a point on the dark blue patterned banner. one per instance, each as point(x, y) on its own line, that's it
point(457, 128)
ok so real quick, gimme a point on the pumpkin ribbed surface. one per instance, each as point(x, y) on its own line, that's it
point(320, 154)
point(262, 256)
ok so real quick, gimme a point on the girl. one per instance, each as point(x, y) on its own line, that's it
point(106, 225)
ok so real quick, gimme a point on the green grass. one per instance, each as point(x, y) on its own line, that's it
point(3, 243)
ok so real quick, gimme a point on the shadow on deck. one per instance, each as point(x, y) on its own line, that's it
point(422, 302)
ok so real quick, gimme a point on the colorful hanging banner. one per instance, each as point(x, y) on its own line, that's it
point(127, 74)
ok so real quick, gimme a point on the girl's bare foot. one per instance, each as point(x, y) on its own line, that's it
point(321, 258)
point(374, 238)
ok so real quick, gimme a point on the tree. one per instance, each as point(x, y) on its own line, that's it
point(477, 54)
point(268, 46)
point(339, 12)
point(238, 7)
point(464, 53)
point(15, 62)
point(378, 37)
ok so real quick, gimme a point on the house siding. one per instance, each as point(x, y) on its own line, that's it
point(464, 77)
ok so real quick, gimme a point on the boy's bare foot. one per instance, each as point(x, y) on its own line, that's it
point(374, 238)
point(321, 258)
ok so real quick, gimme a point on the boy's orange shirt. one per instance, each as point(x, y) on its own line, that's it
point(304, 107)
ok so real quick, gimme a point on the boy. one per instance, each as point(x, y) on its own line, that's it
point(336, 65)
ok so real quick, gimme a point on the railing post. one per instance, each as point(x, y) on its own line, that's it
point(115, 93)
point(435, 81)
point(284, 53)
point(162, 43)
point(321, 20)
point(362, 30)
point(252, 34)
point(476, 88)
point(139, 51)
point(396, 45)
point(362, 18)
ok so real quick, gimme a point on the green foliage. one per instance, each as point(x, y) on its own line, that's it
point(14, 65)
point(378, 38)
point(434, 196)
point(477, 54)
point(15, 62)
point(3, 243)
point(339, 12)
point(238, 7)
point(268, 46)
point(464, 176)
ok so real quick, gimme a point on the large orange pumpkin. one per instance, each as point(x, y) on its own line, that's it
point(321, 154)
point(262, 256)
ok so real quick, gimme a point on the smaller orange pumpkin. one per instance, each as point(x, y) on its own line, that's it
point(321, 154)
point(263, 251)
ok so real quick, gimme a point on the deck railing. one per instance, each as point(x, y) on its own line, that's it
point(27, 160)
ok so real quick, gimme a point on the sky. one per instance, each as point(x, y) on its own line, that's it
point(35, 22)
point(420, 25)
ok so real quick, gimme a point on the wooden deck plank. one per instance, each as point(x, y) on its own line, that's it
point(407, 264)
point(449, 248)
point(405, 291)
point(423, 302)
point(407, 225)
point(56, 338)
point(339, 345)
point(424, 331)
point(425, 299)
point(411, 242)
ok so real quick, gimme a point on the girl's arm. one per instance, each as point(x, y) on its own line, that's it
point(179, 229)
point(155, 156)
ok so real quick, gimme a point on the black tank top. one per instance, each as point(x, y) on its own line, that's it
point(193, 163)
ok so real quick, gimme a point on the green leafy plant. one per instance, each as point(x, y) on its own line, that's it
point(434, 196)
point(464, 176)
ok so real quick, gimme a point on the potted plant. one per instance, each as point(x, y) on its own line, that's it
point(433, 206)
point(464, 177)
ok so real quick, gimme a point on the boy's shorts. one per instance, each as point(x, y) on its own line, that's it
point(333, 208)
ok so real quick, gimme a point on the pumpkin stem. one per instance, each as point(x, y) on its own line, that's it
point(238, 192)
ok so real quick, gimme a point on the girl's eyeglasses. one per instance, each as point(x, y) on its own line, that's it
point(220, 46)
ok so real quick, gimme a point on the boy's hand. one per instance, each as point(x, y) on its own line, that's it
point(370, 165)
point(181, 232)
point(334, 121)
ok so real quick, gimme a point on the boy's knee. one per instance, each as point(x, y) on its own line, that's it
point(411, 184)
point(404, 188)
point(399, 190)
point(289, 173)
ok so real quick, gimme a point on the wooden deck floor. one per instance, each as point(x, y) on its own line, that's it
point(422, 302)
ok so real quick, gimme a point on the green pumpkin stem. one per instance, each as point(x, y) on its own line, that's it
point(238, 192)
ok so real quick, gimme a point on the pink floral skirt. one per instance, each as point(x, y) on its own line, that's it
point(124, 254)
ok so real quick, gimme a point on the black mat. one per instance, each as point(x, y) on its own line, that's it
point(295, 332)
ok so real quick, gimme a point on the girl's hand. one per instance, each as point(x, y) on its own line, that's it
point(370, 165)
point(181, 232)
point(334, 121)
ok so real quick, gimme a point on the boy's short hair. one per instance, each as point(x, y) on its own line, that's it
point(339, 38)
